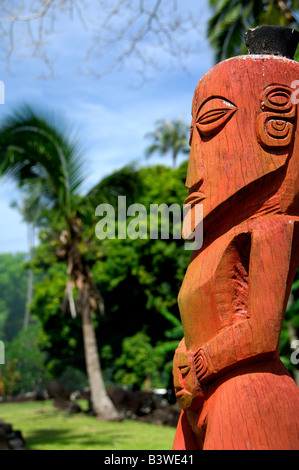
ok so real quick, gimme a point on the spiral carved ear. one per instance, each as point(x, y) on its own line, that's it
point(276, 123)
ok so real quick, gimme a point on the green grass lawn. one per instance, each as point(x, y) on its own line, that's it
point(46, 428)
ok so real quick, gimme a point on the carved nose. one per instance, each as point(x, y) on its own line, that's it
point(196, 188)
point(194, 179)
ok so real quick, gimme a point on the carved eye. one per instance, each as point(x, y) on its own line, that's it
point(213, 115)
point(182, 363)
point(185, 369)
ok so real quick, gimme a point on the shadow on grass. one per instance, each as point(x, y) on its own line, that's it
point(65, 438)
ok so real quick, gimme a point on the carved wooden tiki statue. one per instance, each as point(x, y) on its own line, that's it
point(230, 383)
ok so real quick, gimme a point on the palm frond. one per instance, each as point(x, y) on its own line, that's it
point(37, 151)
point(169, 137)
point(232, 18)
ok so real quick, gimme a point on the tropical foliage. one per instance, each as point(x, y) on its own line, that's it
point(39, 152)
point(13, 285)
point(119, 294)
point(25, 368)
point(139, 280)
point(231, 18)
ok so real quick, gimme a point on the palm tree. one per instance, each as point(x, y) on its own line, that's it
point(232, 18)
point(169, 137)
point(30, 210)
point(41, 156)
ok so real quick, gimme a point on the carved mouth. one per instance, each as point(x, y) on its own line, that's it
point(194, 198)
point(179, 392)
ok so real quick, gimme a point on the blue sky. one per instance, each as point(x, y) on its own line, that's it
point(112, 114)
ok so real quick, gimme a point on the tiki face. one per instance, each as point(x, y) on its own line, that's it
point(188, 392)
point(244, 127)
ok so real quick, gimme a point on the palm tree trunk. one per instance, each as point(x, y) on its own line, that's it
point(174, 157)
point(102, 404)
point(30, 231)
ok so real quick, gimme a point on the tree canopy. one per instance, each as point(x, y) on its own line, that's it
point(139, 280)
point(169, 137)
point(144, 35)
point(44, 161)
point(13, 285)
point(231, 18)
point(116, 33)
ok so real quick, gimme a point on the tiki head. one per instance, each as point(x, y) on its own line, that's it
point(244, 128)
